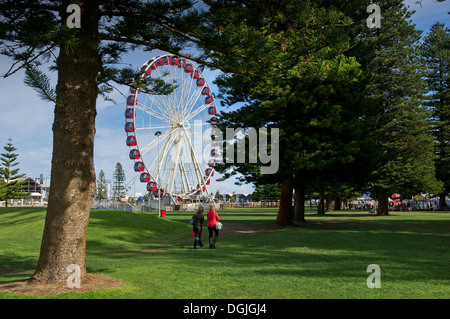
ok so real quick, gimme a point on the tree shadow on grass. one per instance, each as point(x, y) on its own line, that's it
point(18, 216)
point(15, 267)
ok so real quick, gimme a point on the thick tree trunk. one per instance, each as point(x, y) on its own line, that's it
point(442, 205)
point(72, 175)
point(329, 200)
point(383, 203)
point(337, 204)
point(299, 201)
point(321, 208)
point(284, 217)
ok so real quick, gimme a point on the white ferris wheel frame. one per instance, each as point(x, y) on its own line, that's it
point(176, 126)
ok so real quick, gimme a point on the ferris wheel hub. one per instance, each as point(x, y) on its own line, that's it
point(186, 125)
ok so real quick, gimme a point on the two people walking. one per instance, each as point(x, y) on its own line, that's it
point(197, 223)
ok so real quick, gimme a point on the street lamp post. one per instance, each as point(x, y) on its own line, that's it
point(158, 133)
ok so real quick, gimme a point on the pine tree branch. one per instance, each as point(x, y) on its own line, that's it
point(40, 82)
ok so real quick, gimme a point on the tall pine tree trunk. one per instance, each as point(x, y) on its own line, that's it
point(72, 175)
point(442, 205)
point(321, 202)
point(299, 200)
point(284, 217)
point(383, 203)
point(329, 200)
point(337, 203)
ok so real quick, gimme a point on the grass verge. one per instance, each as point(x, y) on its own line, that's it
point(325, 258)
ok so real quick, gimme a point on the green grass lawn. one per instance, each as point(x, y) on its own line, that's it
point(326, 258)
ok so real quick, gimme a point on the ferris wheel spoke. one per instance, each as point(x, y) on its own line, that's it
point(174, 166)
point(167, 101)
point(186, 93)
point(196, 112)
point(163, 108)
point(160, 161)
point(155, 142)
point(158, 101)
point(200, 141)
point(176, 76)
point(154, 127)
point(152, 112)
point(191, 102)
point(183, 179)
point(197, 170)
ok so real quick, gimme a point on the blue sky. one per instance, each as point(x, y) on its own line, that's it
point(28, 120)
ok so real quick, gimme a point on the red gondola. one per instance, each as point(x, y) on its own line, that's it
point(211, 110)
point(134, 90)
point(131, 140)
point(134, 154)
point(163, 60)
point(153, 66)
point(182, 63)
point(173, 60)
point(206, 91)
point(211, 164)
point(214, 120)
point(196, 75)
point(151, 187)
point(131, 99)
point(209, 99)
point(129, 127)
point(207, 181)
point(144, 178)
point(189, 68)
point(139, 167)
point(209, 172)
point(200, 81)
point(161, 193)
point(129, 113)
point(213, 152)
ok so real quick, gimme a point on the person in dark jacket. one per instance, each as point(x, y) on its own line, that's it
point(197, 223)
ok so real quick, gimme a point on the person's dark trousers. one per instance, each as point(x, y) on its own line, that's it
point(198, 236)
point(212, 242)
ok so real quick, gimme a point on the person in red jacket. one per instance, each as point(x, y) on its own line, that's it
point(213, 218)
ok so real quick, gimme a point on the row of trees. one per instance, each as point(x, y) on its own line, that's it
point(359, 109)
point(300, 66)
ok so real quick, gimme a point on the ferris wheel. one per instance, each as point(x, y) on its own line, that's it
point(171, 135)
